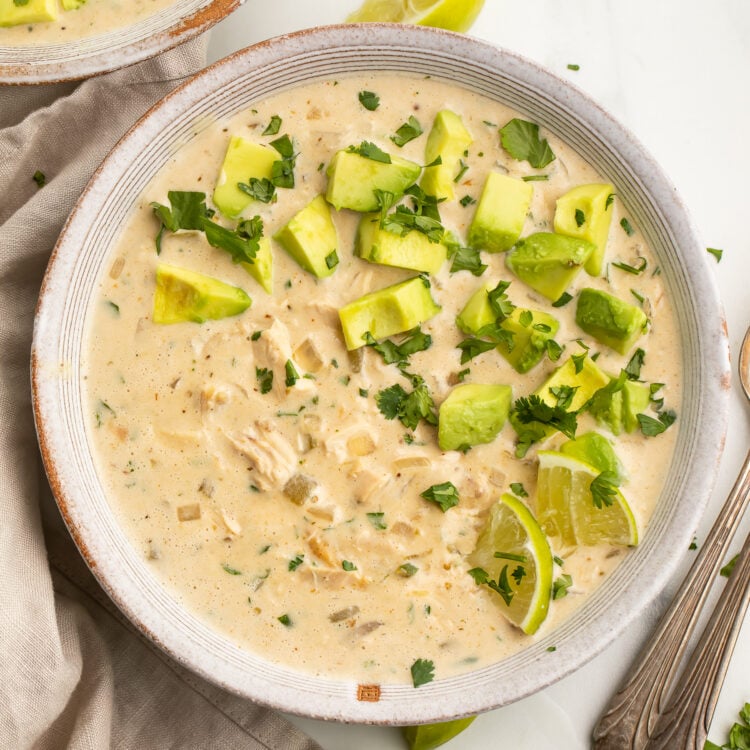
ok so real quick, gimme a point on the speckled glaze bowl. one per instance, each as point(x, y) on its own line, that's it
point(82, 58)
point(237, 83)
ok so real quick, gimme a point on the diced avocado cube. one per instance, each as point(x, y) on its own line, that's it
point(584, 375)
point(608, 412)
point(477, 312)
point(412, 250)
point(636, 398)
point(262, 269)
point(243, 160)
point(548, 262)
point(34, 11)
point(595, 450)
point(530, 338)
point(448, 140)
point(385, 312)
point(501, 212)
point(353, 179)
point(472, 414)
point(72, 4)
point(184, 295)
point(586, 212)
point(310, 238)
point(531, 329)
point(610, 320)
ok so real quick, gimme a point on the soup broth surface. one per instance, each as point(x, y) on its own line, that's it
point(195, 446)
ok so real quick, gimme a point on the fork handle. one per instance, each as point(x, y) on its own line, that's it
point(630, 719)
point(687, 718)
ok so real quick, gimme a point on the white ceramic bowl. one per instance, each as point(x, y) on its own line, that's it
point(81, 58)
point(235, 84)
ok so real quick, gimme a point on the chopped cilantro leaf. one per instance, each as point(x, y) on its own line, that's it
point(531, 408)
point(422, 672)
point(573, 66)
point(535, 178)
point(410, 408)
point(285, 620)
point(633, 367)
point(713, 250)
point(522, 141)
point(332, 259)
point(230, 570)
point(472, 347)
point(635, 270)
point(466, 259)
point(445, 495)
point(377, 520)
point(187, 210)
point(265, 378)
point(296, 561)
point(410, 130)
point(651, 427)
point(243, 249)
point(580, 217)
point(413, 342)
point(518, 489)
point(369, 100)
point(518, 574)
point(604, 489)
point(463, 169)
point(626, 225)
point(467, 200)
point(407, 570)
point(40, 178)
point(727, 569)
point(561, 585)
point(562, 300)
point(348, 566)
point(273, 126)
point(370, 151)
point(292, 376)
point(262, 190)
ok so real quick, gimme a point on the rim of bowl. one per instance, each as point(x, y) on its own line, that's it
point(111, 50)
point(556, 105)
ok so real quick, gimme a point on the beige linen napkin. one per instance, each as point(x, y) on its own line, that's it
point(73, 672)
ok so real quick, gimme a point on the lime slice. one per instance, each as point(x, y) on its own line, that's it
point(429, 736)
point(566, 508)
point(455, 15)
point(513, 551)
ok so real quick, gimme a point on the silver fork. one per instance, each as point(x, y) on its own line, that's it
point(643, 715)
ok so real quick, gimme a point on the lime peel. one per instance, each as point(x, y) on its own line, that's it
point(454, 15)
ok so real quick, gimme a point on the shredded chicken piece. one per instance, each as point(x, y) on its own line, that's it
point(272, 458)
point(231, 523)
point(323, 551)
point(272, 350)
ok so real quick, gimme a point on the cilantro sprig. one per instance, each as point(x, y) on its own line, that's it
point(445, 495)
point(522, 141)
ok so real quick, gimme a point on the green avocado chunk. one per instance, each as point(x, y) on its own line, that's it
point(242, 161)
point(448, 140)
point(531, 329)
point(501, 213)
point(412, 250)
point(610, 320)
point(594, 449)
point(472, 414)
point(584, 376)
point(183, 295)
point(310, 238)
point(353, 179)
point(586, 212)
point(262, 269)
point(33, 11)
point(430, 736)
point(385, 312)
point(549, 262)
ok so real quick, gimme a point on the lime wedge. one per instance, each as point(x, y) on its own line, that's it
point(429, 736)
point(513, 551)
point(566, 508)
point(455, 15)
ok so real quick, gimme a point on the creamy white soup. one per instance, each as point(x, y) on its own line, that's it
point(254, 460)
point(41, 22)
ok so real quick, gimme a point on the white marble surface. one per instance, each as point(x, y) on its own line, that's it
point(675, 73)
